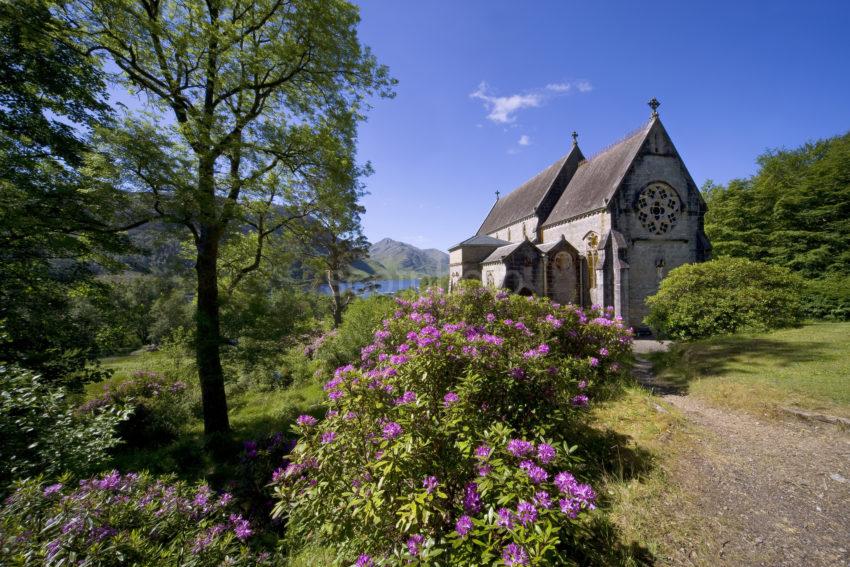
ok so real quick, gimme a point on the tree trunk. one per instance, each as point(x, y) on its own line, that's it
point(333, 283)
point(208, 340)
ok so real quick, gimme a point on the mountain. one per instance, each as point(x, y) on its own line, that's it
point(389, 258)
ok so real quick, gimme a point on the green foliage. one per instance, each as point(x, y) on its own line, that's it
point(725, 296)
point(43, 434)
point(450, 442)
point(160, 407)
point(132, 519)
point(792, 213)
point(53, 226)
point(361, 319)
point(827, 298)
point(263, 102)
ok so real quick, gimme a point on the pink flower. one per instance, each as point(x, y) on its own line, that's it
point(450, 398)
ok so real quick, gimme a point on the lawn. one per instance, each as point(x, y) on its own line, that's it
point(806, 367)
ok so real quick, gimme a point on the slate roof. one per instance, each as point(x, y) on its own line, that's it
point(597, 179)
point(523, 201)
point(480, 240)
point(502, 252)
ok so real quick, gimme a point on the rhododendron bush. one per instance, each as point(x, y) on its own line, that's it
point(449, 441)
point(131, 519)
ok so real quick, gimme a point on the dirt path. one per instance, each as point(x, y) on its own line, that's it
point(769, 492)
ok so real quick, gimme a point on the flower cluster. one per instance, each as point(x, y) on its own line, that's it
point(106, 519)
point(464, 403)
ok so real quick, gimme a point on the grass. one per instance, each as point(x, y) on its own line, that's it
point(254, 413)
point(637, 441)
point(806, 367)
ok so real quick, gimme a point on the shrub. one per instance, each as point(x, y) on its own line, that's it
point(448, 441)
point(159, 407)
point(43, 434)
point(132, 519)
point(361, 319)
point(724, 296)
point(827, 298)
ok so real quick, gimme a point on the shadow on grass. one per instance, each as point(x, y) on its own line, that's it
point(686, 362)
point(611, 457)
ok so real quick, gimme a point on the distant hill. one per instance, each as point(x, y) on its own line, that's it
point(389, 258)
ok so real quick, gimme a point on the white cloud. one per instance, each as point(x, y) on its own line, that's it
point(503, 108)
point(524, 140)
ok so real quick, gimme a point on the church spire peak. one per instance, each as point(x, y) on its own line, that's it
point(575, 138)
point(654, 104)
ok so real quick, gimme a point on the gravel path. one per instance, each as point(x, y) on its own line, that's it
point(773, 493)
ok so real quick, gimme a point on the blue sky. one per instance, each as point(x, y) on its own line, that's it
point(489, 92)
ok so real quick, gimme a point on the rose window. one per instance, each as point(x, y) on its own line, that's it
point(658, 208)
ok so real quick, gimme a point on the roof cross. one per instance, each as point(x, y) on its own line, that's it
point(654, 104)
point(575, 138)
point(497, 194)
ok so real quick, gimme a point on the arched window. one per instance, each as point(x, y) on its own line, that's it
point(591, 242)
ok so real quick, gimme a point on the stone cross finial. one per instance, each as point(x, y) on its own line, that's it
point(654, 104)
point(497, 194)
point(575, 138)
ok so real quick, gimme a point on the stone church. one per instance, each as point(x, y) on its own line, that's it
point(603, 230)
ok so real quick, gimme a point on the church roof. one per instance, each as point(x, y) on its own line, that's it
point(480, 240)
point(502, 252)
point(596, 179)
point(523, 201)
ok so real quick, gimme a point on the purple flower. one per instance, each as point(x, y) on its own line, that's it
point(543, 349)
point(382, 334)
point(517, 373)
point(526, 513)
point(570, 507)
point(399, 359)
point(413, 543)
point(392, 430)
point(565, 482)
point(471, 498)
point(450, 398)
point(594, 362)
point(506, 518)
point(335, 394)
point(514, 555)
point(463, 525)
point(537, 474)
point(542, 499)
point(501, 295)
point(546, 453)
point(490, 317)
point(603, 351)
point(328, 437)
point(407, 398)
point(241, 527)
point(364, 561)
point(306, 420)
point(582, 385)
point(278, 474)
point(109, 482)
point(519, 447)
point(580, 401)
point(52, 489)
point(482, 451)
point(484, 470)
point(430, 483)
